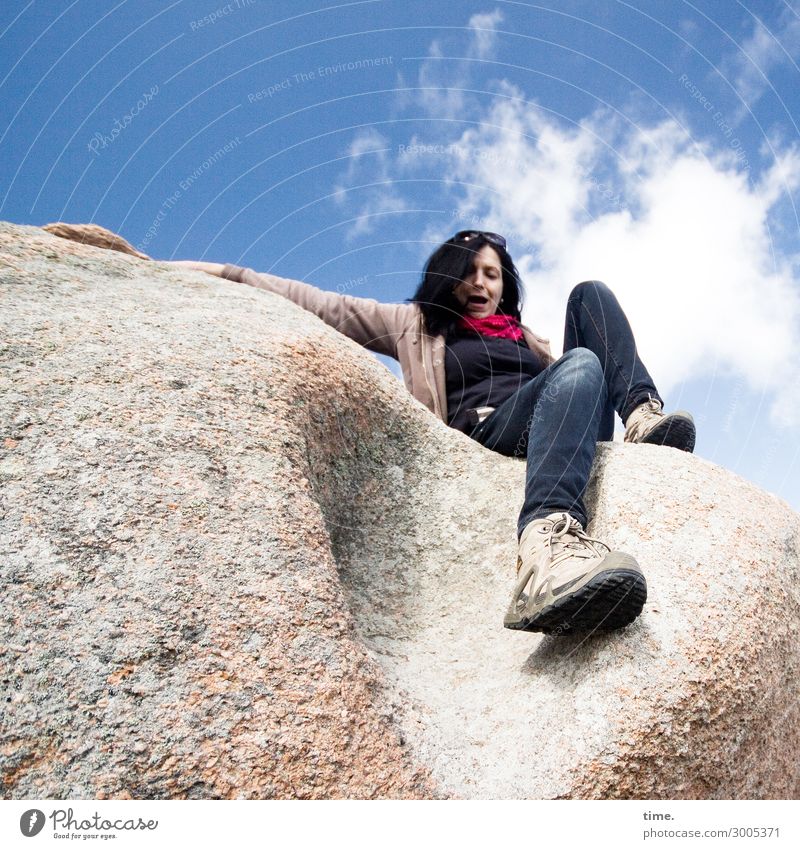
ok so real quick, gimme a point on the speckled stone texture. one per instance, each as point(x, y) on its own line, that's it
point(240, 560)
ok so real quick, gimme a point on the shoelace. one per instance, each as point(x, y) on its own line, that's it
point(643, 418)
point(575, 542)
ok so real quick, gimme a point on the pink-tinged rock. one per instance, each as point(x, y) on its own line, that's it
point(240, 560)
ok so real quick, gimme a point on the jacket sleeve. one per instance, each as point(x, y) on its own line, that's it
point(539, 345)
point(374, 325)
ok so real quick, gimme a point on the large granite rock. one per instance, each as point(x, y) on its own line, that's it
point(240, 560)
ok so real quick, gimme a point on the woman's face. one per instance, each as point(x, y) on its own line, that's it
point(480, 291)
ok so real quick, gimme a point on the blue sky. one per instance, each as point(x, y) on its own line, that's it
point(652, 145)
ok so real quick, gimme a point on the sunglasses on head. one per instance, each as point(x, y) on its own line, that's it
point(469, 235)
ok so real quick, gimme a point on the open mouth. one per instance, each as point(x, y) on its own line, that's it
point(477, 300)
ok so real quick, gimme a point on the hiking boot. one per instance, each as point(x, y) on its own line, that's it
point(648, 424)
point(569, 582)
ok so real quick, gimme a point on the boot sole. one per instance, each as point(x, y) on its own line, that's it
point(675, 431)
point(610, 600)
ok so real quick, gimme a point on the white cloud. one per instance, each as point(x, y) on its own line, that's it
point(367, 186)
point(445, 73)
point(441, 81)
point(484, 35)
point(688, 250)
point(764, 50)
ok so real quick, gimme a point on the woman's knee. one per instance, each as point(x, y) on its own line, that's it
point(589, 287)
point(582, 360)
point(581, 369)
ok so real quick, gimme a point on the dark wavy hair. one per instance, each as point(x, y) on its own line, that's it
point(446, 267)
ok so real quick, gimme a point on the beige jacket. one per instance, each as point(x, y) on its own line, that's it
point(396, 330)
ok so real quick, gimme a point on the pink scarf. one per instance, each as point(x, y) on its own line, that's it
point(498, 324)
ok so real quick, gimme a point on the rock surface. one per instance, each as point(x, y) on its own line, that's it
point(240, 560)
point(93, 234)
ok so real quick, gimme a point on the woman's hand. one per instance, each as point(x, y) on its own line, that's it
point(215, 268)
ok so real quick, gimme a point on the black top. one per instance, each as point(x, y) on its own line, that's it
point(483, 371)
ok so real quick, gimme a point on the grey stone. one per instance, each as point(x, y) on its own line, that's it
point(239, 560)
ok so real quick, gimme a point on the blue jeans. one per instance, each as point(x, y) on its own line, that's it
point(557, 417)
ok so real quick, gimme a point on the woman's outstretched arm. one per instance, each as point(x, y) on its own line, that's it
point(375, 325)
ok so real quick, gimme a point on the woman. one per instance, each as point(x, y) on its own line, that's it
point(465, 355)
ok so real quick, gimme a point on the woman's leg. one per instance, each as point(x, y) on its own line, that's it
point(567, 582)
point(595, 320)
point(553, 420)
